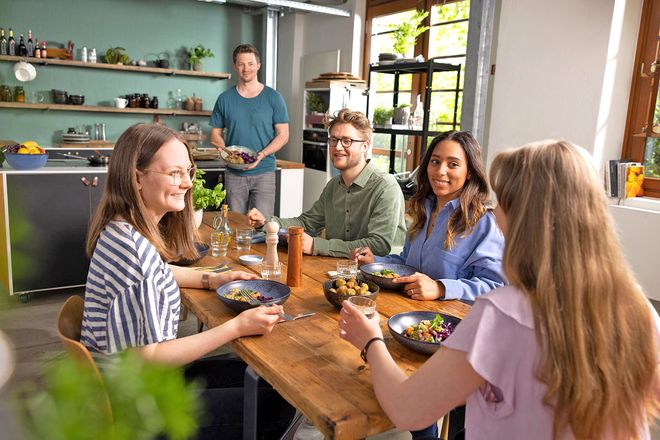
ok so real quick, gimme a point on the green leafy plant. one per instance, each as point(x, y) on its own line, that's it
point(146, 400)
point(117, 55)
point(198, 53)
point(205, 197)
point(382, 115)
point(406, 32)
point(315, 103)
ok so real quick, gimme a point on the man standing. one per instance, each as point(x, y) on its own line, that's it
point(250, 115)
point(362, 206)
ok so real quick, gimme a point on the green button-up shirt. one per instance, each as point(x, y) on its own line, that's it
point(370, 212)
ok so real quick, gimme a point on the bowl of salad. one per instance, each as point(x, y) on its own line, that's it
point(422, 331)
point(383, 274)
point(238, 157)
point(263, 292)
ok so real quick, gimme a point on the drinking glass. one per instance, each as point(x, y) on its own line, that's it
point(270, 271)
point(243, 239)
point(347, 269)
point(219, 243)
point(364, 304)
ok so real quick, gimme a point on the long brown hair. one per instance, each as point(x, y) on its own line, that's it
point(473, 197)
point(592, 320)
point(175, 234)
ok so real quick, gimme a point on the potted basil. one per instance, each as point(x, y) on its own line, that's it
point(205, 197)
point(196, 55)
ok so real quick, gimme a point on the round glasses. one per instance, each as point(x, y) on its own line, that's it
point(345, 142)
point(177, 175)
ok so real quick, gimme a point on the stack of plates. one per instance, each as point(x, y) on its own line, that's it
point(75, 138)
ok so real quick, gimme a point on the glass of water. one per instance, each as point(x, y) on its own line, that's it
point(271, 271)
point(347, 269)
point(243, 239)
point(364, 304)
point(219, 243)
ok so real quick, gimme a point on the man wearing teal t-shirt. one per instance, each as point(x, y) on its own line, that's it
point(250, 115)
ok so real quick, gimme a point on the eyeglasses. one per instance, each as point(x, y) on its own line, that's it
point(345, 142)
point(178, 175)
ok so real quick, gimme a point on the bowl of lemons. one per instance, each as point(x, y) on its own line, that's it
point(26, 156)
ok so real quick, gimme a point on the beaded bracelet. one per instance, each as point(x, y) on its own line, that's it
point(363, 353)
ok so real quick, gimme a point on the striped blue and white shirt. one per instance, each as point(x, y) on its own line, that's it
point(131, 297)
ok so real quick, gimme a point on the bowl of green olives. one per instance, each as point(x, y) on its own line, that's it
point(339, 290)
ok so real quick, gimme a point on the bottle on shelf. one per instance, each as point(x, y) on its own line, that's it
point(30, 44)
point(44, 51)
point(179, 99)
point(83, 54)
point(92, 55)
point(3, 42)
point(418, 114)
point(11, 43)
point(22, 48)
point(37, 49)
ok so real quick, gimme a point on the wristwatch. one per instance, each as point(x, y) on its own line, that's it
point(205, 281)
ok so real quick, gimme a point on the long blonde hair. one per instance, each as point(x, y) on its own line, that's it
point(175, 235)
point(474, 194)
point(592, 320)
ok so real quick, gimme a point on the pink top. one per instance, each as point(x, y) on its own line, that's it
point(498, 337)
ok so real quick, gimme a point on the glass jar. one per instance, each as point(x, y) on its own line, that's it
point(19, 94)
point(5, 94)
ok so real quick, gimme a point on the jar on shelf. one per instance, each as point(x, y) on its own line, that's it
point(189, 104)
point(19, 94)
point(5, 94)
point(199, 104)
point(144, 101)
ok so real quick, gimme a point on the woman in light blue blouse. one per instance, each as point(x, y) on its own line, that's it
point(453, 239)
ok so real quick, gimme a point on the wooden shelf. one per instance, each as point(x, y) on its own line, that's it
point(647, 135)
point(104, 66)
point(104, 109)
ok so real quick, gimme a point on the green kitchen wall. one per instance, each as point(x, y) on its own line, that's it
point(144, 28)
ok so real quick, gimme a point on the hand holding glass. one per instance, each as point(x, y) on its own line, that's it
point(366, 305)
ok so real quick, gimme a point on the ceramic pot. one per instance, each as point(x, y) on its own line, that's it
point(198, 215)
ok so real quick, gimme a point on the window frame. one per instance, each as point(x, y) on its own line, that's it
point(644, 87)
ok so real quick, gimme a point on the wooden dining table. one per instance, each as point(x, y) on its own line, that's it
point(305, 360)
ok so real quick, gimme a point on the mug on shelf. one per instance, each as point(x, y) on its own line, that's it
point(121, 102)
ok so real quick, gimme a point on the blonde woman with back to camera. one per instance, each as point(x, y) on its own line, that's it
point(568, 350)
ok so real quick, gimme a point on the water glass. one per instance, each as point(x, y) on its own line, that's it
point(364, 304)
point(243, 239)
point(270, 271)
point(219, 243)
point(347, 269)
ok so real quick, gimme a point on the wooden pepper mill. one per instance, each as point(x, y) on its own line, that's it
point(294, 261)
point(271, 229)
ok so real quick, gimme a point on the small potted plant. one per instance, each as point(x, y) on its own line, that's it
point(205, 197)
point(196, 55)
point(383, 116)
point(117, 55)
point(405, 33)
point(316, 108)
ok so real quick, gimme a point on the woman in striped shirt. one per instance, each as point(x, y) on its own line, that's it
point(132, 298)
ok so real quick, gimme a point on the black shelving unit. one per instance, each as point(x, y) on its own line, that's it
point(429, 68)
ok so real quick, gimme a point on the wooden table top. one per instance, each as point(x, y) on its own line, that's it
point(305, 360)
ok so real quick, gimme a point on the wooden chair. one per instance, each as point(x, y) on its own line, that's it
point(69, 325)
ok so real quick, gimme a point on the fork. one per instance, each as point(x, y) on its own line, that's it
point(287, 317)
point(249, 298)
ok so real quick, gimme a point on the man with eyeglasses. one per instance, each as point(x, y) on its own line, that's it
point(254, 116)
point(360, 207)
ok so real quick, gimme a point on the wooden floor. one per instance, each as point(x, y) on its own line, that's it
point(31, 329)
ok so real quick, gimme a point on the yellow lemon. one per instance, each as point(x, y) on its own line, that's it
point(34, 150)
point(23, 150)
point(30, 144)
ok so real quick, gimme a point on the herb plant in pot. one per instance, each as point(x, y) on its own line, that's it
point(196, 55)
point(383, 116)
point(205, 197)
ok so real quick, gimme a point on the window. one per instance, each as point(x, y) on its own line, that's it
point(446, 40)
point(642, 137)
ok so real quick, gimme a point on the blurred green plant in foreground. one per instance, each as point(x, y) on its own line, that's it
point(146, 400)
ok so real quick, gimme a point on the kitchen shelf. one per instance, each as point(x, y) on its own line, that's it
point(120, 67)
point(104, 109)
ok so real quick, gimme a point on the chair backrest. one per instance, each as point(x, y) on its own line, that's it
point(69, 326)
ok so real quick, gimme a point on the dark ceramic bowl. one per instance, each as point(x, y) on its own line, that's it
point(278, 291)
point(401, 321)
point(202, 248)
point(76, 99)
point(384, 282)
point(336, 298)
